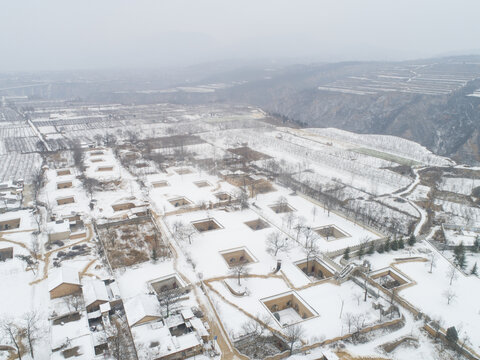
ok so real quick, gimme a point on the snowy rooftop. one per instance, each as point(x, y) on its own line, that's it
point(63, 275)
point(155, 341)
point(94, 290)
point(140, 307)
point(60, 226)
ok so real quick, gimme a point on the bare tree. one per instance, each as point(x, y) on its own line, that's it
point(168, 298)
point(35, 245)
point(185, 232)
point(37, 184)
point(74, 302)
point(240, 270)
point(288, 219)
point(29, 262)
point(357, 296)
point(465, 339)
point(309, 235)
point(242, 198)
point(358, 324)
point(118, 339)
point(12, 333)
point(111, 237)
point(433, 261)
point(90, 185)
point(177, 224)
point(348, 320)
point(311, 250)
point(294, 334)
point(33, 332)
point(259, 328)
point(452, 274)
point(437, 325)
point(299, 226)
point(132, 136)
point(37, 216)
point(276, 242)
point(449, 295)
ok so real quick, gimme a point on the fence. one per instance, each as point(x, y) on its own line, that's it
point(441, 334)
point(135, 220)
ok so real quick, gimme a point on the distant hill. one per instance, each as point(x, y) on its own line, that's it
point(428, 101)
point(424, 100)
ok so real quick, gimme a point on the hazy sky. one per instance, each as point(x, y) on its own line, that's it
point(85, 34)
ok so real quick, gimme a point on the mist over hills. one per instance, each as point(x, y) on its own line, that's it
point(431, 101)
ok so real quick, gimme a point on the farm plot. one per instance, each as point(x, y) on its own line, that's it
point(131, 242)
point(21, 144)
point(385, 156)
point(19, 166)
point(59, 144)
point(249, 154)
point(15, 131)
point(384, 143)
point(317, 160)
point(463, 186)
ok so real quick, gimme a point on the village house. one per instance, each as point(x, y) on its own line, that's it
point(8, 224)
point(58, 230)
point(63, 281)
point(141, 309)
point(155, 342)
point(98, 292)
point(6, 253)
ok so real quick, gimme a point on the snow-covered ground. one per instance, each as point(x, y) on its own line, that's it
point(430, 296)
point(459, 185)
point(358, 166)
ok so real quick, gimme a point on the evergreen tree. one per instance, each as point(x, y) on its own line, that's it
point(474, 270)
point(460, 259)
point(394, 245)
point(361, 251)
point(452, 335)
point(381, 249)
point(371, 249)
point(412, 240)
point(401, 244)
point(387, 245)
point(346, 254)
point(154, 254)
point(476, 244)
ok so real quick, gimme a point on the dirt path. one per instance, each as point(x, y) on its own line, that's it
point(16, 243)
point(216, 327)
point(85, 269)
point(343, 355)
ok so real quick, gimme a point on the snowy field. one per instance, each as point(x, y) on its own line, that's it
point(459, 185)
point(430, 296)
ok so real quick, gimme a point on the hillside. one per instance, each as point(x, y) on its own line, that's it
point(425, 101)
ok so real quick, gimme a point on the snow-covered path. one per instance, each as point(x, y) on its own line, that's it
point(223, 342)
point(423, 217)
